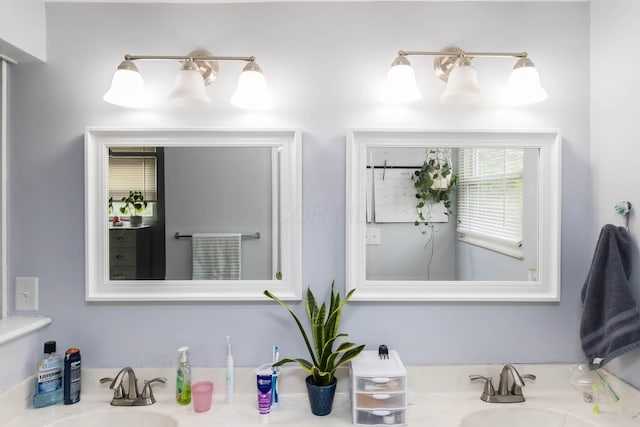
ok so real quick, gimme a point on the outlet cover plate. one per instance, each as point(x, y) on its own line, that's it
point(373, 236)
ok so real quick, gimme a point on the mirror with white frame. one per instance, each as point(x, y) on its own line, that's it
point(217, 220)
point(453, 215)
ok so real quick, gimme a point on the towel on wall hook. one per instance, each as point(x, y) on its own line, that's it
point(624, 209)
point(610, 324)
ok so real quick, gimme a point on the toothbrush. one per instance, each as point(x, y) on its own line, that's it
point(275, 400)
point(229, 372)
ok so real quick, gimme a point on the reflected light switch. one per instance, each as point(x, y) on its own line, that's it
point(373, 236)
point(26, 293)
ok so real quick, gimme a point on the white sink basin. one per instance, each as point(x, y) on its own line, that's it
point(120, 418)
point(523, 417)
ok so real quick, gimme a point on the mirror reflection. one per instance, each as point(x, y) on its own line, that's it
point(206, 215)
point(192, 213)
point(452, 213)
point(437, 215)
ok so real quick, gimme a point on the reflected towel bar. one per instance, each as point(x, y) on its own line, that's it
point(255, 235)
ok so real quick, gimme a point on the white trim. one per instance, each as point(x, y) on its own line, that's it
point(275, 210)
point(17, 326)
point(4, 282)
point(546, 288)
point(99, 287)
point(7, 59)
point(295, 1)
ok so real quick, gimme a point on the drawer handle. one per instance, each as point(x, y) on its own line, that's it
point(380, 412)
point(380, 380)
point(380, 396)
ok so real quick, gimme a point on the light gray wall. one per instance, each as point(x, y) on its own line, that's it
point(615, 135)
point(324, 62)
point(406, 254)
point(218, 190)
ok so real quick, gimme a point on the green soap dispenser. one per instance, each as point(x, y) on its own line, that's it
point(183, 377)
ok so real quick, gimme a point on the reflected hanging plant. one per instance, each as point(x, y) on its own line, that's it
point(435, 182)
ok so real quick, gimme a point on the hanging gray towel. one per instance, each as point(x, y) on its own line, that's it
point(216, 256)
point(610, 323)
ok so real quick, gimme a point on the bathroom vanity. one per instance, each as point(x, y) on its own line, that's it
point(439, 396)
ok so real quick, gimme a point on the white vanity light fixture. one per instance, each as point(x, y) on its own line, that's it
point(462, 85)
point(401, 86)
point(127, 86)
point(453, 65)
point(189, 88)
point(524, 84)
point(252, 91)
point(198, 70)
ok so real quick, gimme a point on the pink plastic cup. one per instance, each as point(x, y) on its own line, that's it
point(202, 392)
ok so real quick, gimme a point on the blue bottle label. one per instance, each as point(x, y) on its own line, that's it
point(49, 377)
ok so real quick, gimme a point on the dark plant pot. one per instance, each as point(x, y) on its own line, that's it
point(321, 397)
point(135, 220)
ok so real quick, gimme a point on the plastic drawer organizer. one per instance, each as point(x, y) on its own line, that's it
point(378, 390)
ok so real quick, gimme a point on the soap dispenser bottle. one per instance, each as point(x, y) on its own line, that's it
point(183, 377)
point(48, 383)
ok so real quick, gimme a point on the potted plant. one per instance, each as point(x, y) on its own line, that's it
point(134, 203)
point(324, 321)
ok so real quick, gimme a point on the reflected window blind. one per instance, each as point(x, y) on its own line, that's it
point(136, 172)
point(490, 195)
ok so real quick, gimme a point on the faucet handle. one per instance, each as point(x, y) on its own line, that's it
point(147, 392)
point(516, 389)
point(118, 393)
point(488, 384)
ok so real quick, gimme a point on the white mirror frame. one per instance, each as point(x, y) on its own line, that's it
point(546, 288)
point(99, 287)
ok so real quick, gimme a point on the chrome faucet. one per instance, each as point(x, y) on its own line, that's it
point(506, 393)
point(129, 395)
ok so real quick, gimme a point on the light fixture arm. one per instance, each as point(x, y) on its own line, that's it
point(458, 53)
point(189, 58)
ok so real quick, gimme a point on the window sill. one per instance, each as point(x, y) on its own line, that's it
point(507, 247)
point(17, 326)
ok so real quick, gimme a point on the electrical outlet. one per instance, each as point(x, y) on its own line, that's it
point(373, 236)
point(26, 293)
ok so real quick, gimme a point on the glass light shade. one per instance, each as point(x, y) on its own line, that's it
point(400, 86)
point(127, 87)
point(462, 86)
point(252, 91)
point(524, 85)
point(189, 88)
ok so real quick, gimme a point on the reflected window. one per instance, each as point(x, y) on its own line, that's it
point(133, 169)
point(490, 199)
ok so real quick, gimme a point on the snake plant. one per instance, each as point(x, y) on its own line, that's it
point(325, 322)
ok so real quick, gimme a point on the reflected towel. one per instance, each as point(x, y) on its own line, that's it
point(216, 256)
point(610, 323)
